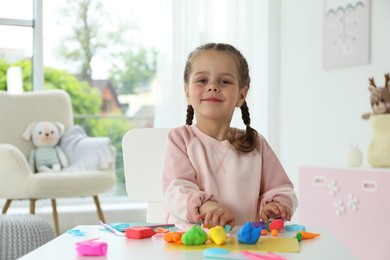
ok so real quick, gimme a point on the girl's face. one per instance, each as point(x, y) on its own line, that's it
point(213, 87)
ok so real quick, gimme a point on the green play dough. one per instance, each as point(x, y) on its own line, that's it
point(195, 236)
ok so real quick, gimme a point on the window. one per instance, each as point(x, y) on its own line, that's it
point(125, 60)
point(132, 37)
point(106, 106)
point(20, 32)
point(18, 10)
point(19, 46)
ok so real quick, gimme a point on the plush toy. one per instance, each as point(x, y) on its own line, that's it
point(47, 155)
point(380, 97)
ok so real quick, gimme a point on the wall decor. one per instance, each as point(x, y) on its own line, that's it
point(346, 33)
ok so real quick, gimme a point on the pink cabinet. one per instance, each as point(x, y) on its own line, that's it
point(353, 203)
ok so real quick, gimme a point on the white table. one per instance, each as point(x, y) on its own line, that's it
point(63, 247)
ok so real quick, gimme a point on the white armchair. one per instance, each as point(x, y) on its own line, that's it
point(18, 182)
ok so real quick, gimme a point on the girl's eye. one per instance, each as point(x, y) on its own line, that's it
point(201, 81)
point(224, 82)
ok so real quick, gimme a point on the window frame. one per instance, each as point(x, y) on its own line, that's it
point(37, 57)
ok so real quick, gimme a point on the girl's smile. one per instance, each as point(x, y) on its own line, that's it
point(211, 99)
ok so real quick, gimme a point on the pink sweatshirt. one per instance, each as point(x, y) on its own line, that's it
point(199, 168)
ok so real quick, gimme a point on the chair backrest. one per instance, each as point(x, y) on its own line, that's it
point(143, 156)
point(17, 111)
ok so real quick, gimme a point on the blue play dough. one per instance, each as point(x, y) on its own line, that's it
point(215, 251)
point(227, 228)
point(294, 227)
point(248, 234)
point(76, 232)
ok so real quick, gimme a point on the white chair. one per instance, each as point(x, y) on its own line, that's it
point(143, 156)
point(17, 181)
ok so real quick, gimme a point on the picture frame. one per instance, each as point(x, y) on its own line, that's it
point(346, 33)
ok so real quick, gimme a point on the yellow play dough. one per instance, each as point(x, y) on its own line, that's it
point(217, 234)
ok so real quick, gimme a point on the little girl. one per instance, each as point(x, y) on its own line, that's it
point(214, 173)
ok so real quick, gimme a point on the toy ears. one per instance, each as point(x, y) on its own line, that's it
point(61, 128)
point(28, 132)
point(371, 88)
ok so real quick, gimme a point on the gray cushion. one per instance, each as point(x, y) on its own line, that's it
point(84, 152)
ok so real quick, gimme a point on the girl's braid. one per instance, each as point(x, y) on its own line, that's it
point(190, 115)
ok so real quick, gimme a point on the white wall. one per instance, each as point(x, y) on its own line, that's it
point(320, 110)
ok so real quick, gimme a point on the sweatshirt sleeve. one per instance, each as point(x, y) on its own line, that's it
point(182, 194)
point(275, 184)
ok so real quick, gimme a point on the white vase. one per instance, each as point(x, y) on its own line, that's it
point(355, 156)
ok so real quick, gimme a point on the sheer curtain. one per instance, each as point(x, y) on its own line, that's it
point(244, 24)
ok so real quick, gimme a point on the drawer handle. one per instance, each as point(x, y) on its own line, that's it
point(369, 185)
point(319, 180)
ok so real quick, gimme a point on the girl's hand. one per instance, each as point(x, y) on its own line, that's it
point(218, 216)
point(275, 209)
